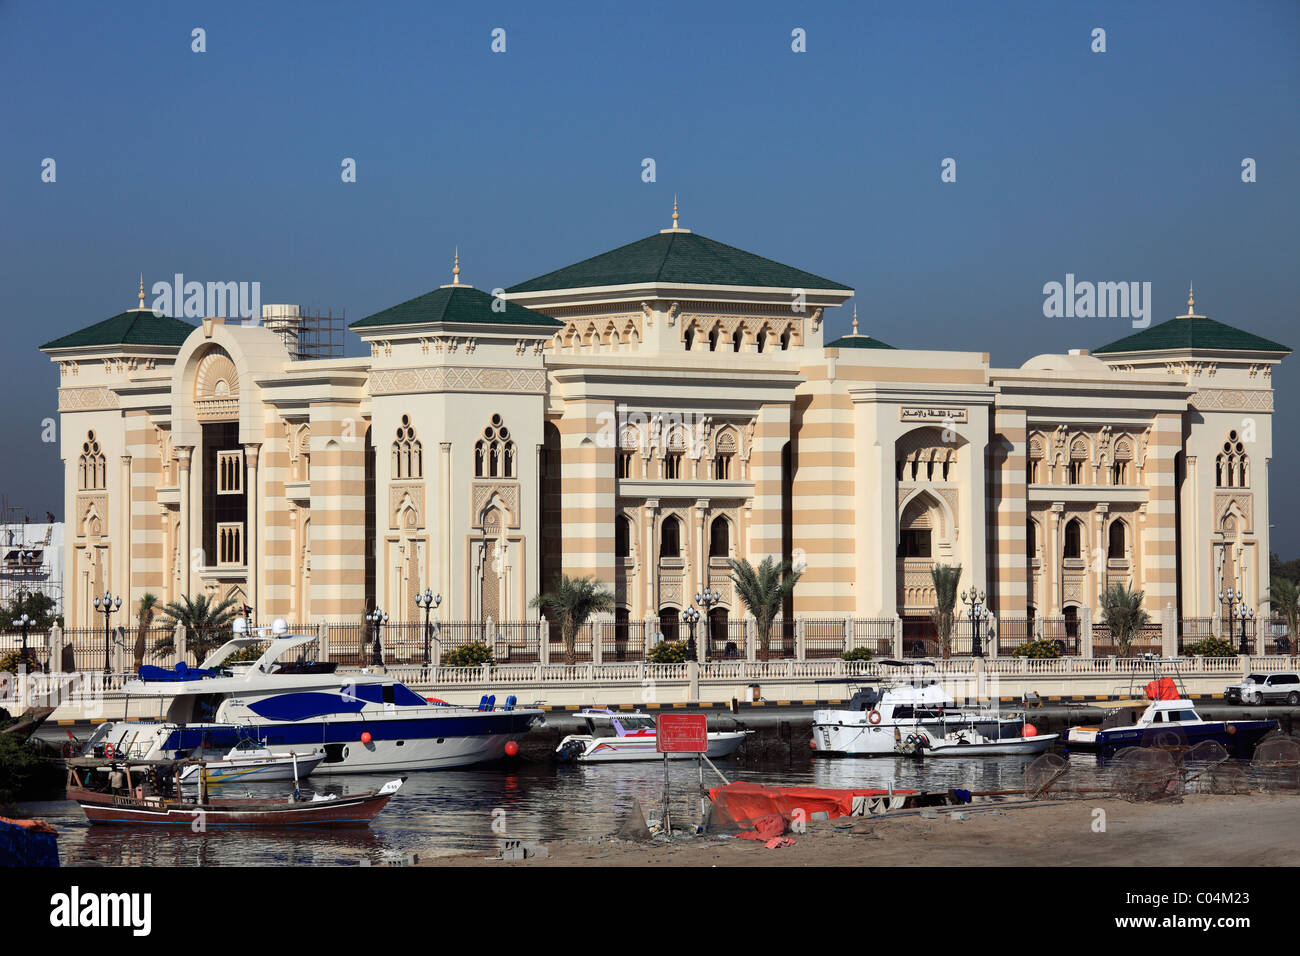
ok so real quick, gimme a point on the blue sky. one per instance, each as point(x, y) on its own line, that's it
point(225, 165)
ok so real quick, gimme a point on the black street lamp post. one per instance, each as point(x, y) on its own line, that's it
point(378, 619)
point(1237, 611)
point(427, 601)
point(691, 617)
point(974, 600)
point(707, 599)
point(23, 623)
point(106, 606)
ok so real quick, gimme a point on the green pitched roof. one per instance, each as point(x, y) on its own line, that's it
point(858, 342)
point(136, 327)
point(1191, 332)
point(455, 303)
point(677, 257)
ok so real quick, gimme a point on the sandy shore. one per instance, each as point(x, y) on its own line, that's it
point(1204, 830)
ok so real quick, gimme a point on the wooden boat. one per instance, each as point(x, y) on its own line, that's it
point(160, 802)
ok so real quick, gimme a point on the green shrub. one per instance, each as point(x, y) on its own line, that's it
point(468, 655)
point(668, 652)
point(10, 661)
point(1210, 647)
point(1041, 650)
point(857, 654)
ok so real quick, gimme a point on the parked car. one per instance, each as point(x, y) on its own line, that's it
point(1266, 689)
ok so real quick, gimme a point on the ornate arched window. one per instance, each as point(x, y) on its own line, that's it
point(1117, 541)
point(1035, 467)
point(494, 453)
point(724, 455)
point(720, 538)
point(1120, 468)
point(91, 465)
point(1078, 461)
point(1074, 539)
point(408, 454)
point(670, 538)
point(623, 536)
point(1231, 465)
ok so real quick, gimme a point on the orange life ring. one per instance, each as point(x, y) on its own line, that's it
point(108, 751)
point(874, 717)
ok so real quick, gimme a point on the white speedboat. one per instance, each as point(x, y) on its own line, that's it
point(878, 720)
point(250, 761)
point(631, 735)
point(363, 723)
point(969, 742)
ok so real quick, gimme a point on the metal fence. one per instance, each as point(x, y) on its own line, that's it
point(876, 634)
point(1149, 640)
point(622, 641)
point(823, 638)
point(726, 641)
point(1014, 631)
point(1064, 633)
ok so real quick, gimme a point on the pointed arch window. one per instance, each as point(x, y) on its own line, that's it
point(719, 538)
point(92, 465)
point(408, 453)
point(1231, 466)
point(495, 453)
point(1117, 541)
point(1074, 539)
point(670, 538)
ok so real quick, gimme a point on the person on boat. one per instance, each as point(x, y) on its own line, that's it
point(117, 780)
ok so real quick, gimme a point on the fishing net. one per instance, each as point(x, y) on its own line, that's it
point(1044, 772)
point(1276, 764)
point(1142, 774)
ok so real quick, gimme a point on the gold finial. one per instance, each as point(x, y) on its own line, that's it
point(674, 210)
point(455, 268)
point(855, 318)
point(141, 295)
point(1191, 299)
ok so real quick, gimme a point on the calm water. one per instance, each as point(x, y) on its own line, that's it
point(453, 811)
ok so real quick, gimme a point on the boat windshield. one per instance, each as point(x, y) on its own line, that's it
point(634, 724)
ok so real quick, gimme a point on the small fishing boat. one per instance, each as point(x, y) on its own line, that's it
point(1165, 718)
point(250, 761)
point(632, 735)
point(158, 802)
point(969, 742)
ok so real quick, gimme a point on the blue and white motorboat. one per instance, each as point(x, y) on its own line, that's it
point(361, 722)
point(1171, 722)
point(251, 761)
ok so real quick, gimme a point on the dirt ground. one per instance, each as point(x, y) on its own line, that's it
point(1204, 830)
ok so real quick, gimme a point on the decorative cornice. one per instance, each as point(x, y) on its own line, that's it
point(85, 399)
point(400, 381)
point(1233, 400)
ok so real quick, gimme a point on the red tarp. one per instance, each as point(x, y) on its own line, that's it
point(1162, 689)
point(742, 802)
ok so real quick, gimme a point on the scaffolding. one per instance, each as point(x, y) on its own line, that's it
point(307, 335)
point(27, 564)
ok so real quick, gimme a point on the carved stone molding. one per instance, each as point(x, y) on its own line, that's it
point(1245, 504)
point(406, 506)
point(1232, 400)
point(84, 503)
point(86, 399)
point(481, 493)
point(402, 381)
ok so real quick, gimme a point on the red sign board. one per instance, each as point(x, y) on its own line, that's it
point(682, 733)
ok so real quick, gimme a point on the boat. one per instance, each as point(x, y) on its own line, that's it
point(249, 761)
point(880, 718)
point(969, 742)
point(1165, 717)
point(362, 722)
point(1166, 723)
point(631, 735)
point(157, 804)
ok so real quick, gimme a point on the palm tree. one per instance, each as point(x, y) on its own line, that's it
point(764, 590)
point(144, 618)
point(204, 620)
point(569, 603)
point(946, 577)
point(1122, 611)
point(1285, 597)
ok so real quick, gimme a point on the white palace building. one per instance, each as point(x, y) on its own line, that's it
point(642, 416)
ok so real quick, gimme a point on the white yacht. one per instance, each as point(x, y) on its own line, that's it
point(631, 735)
point(878, 721)
point(362, 722)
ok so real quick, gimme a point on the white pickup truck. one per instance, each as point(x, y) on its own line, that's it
point(1266, 689)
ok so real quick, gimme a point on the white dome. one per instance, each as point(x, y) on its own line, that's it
point(1074, 362)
